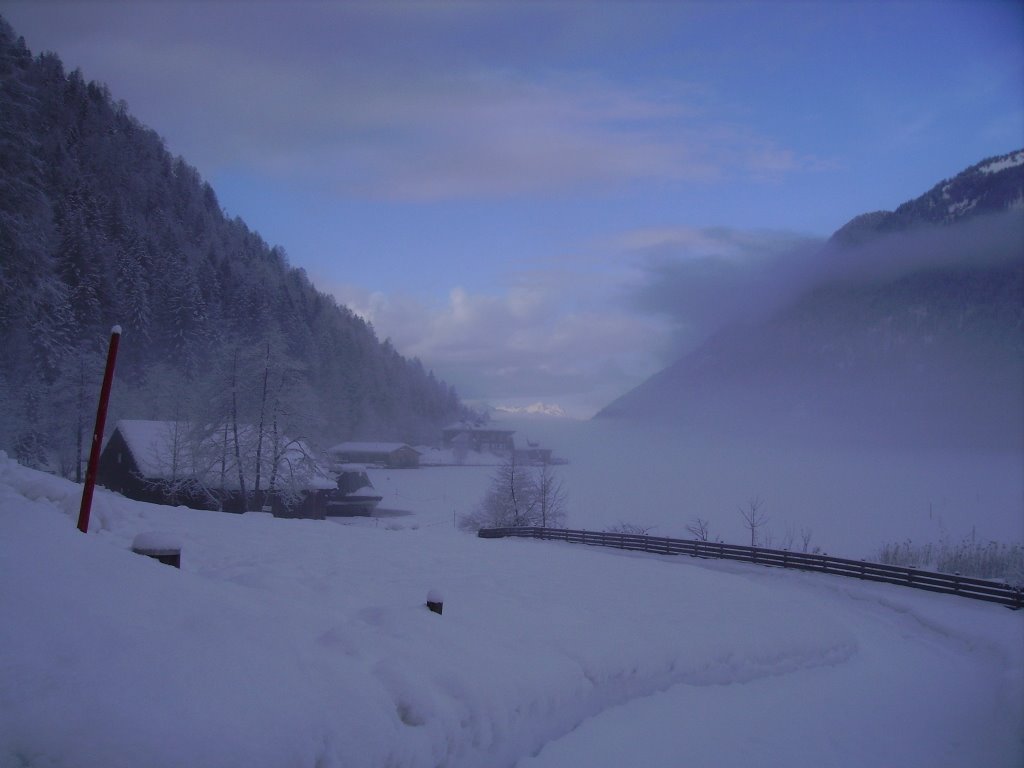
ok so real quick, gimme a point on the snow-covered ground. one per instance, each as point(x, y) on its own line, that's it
point(851, 501)
point(307, 643)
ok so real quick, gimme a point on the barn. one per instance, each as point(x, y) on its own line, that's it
point(529, 452)
point(391, 455)
point(477, 436)
point(167, 462)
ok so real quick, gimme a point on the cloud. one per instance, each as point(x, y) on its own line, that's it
point(541, 338)
point(491, 134)
point(402, 103)
point(585, 330)
point(703, 280)
point(461, 135)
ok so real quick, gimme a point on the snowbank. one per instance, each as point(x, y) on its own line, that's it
point(307, 643)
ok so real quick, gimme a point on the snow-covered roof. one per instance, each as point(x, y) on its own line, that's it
point(358, 447)
point(168, 450)
point(152, 446)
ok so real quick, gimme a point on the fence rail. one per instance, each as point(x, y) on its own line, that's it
point(977, 589)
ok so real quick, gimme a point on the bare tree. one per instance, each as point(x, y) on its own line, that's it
point(507, 503)
point(182, 452)
point(754, 517)
point(518, 498)
point(260, 431)
point(550, 497)
point(805, 539)
point(517, 487)
point(699, 529)
point(234, 429)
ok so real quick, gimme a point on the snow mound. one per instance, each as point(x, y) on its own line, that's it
point(298, 642)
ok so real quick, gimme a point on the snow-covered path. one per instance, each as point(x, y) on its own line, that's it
point(304, 643)
point(916, 691)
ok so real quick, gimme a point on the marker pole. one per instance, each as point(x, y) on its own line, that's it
point(97, 433)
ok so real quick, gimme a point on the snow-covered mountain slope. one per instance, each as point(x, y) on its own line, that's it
point(307, 643)
point(993, 185)
point(912, 336)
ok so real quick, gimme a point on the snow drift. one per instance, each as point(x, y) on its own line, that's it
point(307, 643)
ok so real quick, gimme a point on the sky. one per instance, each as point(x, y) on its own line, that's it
point(501, 188)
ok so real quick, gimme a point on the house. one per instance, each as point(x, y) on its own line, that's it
point(168, 462)
point(391, 455)
point(357, 495)
point(477, 436)
point(528, 452)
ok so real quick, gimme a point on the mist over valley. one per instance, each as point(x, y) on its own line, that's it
point(550, 269)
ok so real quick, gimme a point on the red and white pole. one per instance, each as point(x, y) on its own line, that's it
point(97, 433)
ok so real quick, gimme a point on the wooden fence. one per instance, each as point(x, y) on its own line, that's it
point(978, 589)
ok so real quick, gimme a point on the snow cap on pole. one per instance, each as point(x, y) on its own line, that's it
point(115, 331)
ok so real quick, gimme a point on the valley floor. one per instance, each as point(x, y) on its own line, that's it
point(307, 643)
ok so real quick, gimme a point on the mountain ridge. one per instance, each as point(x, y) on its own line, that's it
point(912, 340)
point(101, 225)
point(989, 186)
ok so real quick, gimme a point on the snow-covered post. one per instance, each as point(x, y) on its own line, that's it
point(159, 546)
point(435, 602)
point(97, 433)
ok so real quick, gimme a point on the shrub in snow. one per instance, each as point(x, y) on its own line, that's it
point(520, 496)
point(630, 528)
point(969, 557)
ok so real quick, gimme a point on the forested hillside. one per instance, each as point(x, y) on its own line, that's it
point(911, 337)
point(100, 225)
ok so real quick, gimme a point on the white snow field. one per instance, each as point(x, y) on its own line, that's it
point(300, 643)
point(852, 501)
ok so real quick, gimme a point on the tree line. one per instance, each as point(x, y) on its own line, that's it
point(100, 224)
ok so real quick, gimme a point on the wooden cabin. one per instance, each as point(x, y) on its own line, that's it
point(480, 437)
point(166, 462)
point(390, 455)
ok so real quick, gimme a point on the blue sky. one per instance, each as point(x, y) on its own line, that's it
point(498, 186)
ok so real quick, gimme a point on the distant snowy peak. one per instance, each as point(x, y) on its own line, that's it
point(536, 409)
